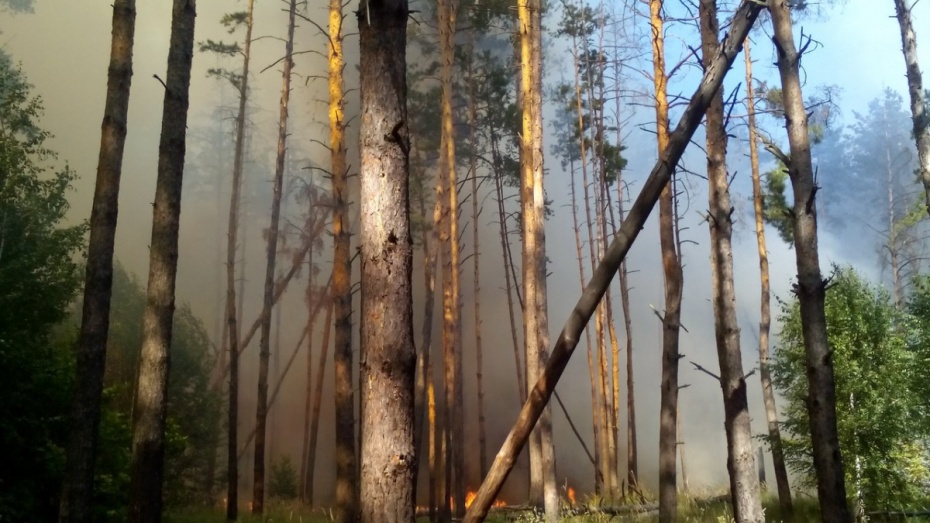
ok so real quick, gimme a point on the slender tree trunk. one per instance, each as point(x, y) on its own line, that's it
point(261, 410)
point(455, 441)
point(476, 277)
point(308, 398)
point(811, 287)
point(671, 264)
point(346, 463)
point(78, 488)
point(232, 321)
point(742, 21)
point(388, 358)
point(681, 453)
point(765, 316)
point(317, 403)
point(916, 91)
point(744, 483)
point(151, 406)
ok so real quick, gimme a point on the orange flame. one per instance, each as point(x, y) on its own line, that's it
point(470, 498)
point(571, 495)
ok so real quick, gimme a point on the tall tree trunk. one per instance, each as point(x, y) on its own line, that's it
point(77, 490)
point(317, 404)
point(151, 405)
point(765, 316)
point(388, 358)
point(308, 397)
point(916, 91)
point(742, 21)
point(232, 321)
point(476, 277)
point(455, 440)
point(744, 483)
point(261, 410)
point(346, 462)
point(681, 453)
point(811, 287)
point(671, 264)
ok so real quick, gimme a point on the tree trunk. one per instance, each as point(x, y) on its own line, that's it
point(317, 404)
point(455, 440)
point(232, 462)
point(811, 287)
point(476, 279)
point(681, 453)
point(765, 316)
point(346, 463)
point(744, 483)
point(915, 88)
point(151, 406)
point(387, 353)
point(78, 487)
point(261, 410)
point(671, 264)
point(742, 21)
point(308, 397)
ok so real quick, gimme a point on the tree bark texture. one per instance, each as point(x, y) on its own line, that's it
point(261, 409)
point(916, 91)
point(151, 404)
point(346, 461)
point(77, 490)
point(744, 483)
point(742, 21)
point(765, 315)
point(811, 287)
point(388, 358)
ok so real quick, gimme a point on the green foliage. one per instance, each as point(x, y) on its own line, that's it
point(882, 431)
point(283, 481)
point(776, 210)
point(232, 22)
point(39, 277)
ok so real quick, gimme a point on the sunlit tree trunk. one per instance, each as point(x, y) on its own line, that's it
point(261, 410)
point(388, 358)
point(811, 287)
point(346, 463)
point(671, 264)
point(151, 406)
point(765, 316)
point(232, 319)
point(915, 88)
point(744, 483)
point(455, 428)
point(78, 487)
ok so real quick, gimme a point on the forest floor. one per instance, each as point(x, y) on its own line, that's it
point(714, 510)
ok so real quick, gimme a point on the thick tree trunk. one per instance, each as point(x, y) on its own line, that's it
point(346, 462)
point(916, 91)
point(77, 490)
point(232, 319)
point(261, 410)
point(387, 352)
point(742, 21)
point(811, 287)
point(765, 316)
point(151, 405)
point(671, 264)
point(317, 404)
point(744, 483)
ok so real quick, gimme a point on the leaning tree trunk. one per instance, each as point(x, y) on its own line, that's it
point(232, 458)
point(261, 410)
point(151, 405)
point(742, 21)
point(915, 88)
point(811, 286)
point(744, 483)
point(671, 264)
point(765, 316)
point(78, 488)
point(346, 463)
point(317, 405)
point(308, 396)
point(388, 359)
